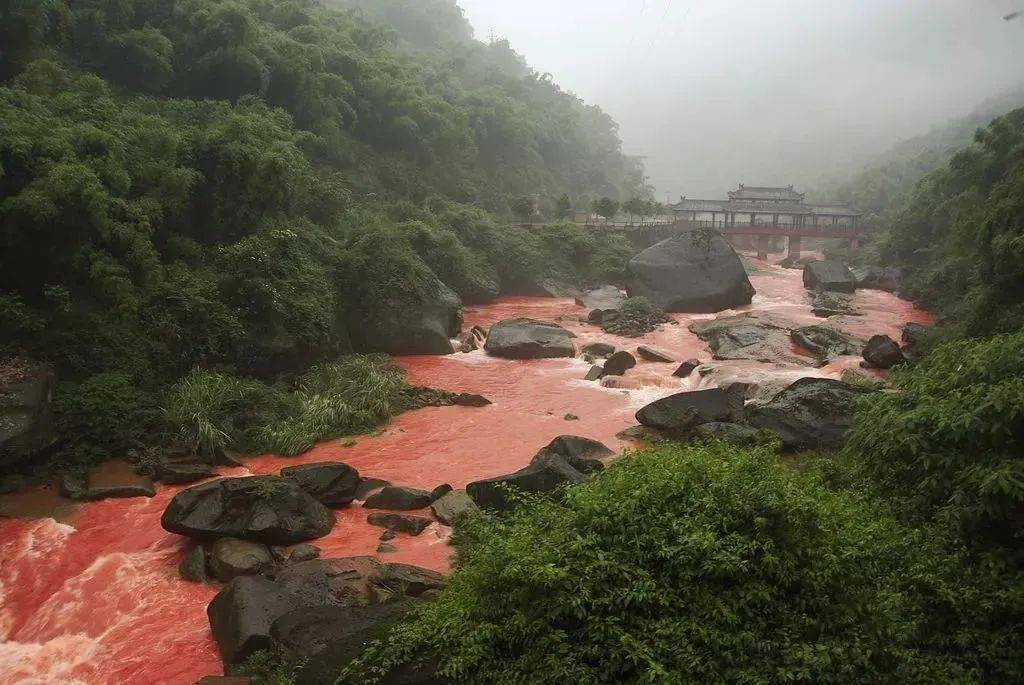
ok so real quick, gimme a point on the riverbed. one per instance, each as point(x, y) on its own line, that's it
point(91, 594)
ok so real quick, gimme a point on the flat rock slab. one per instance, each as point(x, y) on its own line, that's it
point(757, 336)
point(398, 498)
point(826, 342)
point(529, 339)
point(605, 297)
point(812, 413)
point(111, 479)
point(332, 483)
point(679, 414)
point(829, 274)
point(399, 523)
point(653, 354)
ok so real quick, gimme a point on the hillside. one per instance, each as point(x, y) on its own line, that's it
point(251, 186)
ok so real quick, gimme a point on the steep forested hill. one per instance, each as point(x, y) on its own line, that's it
point(242, 184)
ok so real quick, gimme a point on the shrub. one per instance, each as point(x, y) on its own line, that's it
point(702, 564)
point(103, 416)
point(949, 442)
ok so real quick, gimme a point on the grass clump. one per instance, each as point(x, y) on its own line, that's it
point(209, 413)
point(706, 564)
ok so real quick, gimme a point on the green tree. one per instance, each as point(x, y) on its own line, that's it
point(635, 207)
point(523, 208)
point(563, 208)
point(606, 207)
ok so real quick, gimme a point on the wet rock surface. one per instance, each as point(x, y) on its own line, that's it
point(605, 297)
point(826, 304)
point(230, 558)
point(267, 509)
point(829, 274)
point(757, 336)
point(882, 352)
point(452, 505)
point(826, 342)
point(333, 484)
point(653, 354)
point(528, 339)
point(618, 363)
point(111, 479)
point(399, 523)
point(693, 272)
point(677, 415)
point(398, 498)
point(27, 424)
point(812, 413)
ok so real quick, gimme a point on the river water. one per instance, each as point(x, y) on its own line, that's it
point(91, 593)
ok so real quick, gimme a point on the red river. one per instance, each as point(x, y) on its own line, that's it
point(93, 596)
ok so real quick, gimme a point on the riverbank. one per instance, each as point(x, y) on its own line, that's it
point(96, 597)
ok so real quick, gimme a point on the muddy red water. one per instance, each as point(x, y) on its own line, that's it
point(95, 597)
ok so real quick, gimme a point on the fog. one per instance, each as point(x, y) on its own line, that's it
point(718, 92)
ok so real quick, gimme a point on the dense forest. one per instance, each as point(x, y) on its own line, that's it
point(247, 187)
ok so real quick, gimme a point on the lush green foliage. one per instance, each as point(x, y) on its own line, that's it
point(208, 413)
point(710, 564)
point(950, 442)
point(231, 185)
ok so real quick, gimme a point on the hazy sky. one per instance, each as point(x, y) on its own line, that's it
point(717, 92)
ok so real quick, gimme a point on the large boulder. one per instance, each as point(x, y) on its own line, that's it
point(695, 271)
point(877, 277)
point(332, 483)
point(231, 557)
point(452, 505)
point(400, 325)
point(244, 611)
point(398, 498)
point(27, 425)
point(267, 509)
point(882, 352)
point(825, 304)
point(323, 640)
point(829, 274)
point(528, 339)
point(735, 433)
point(826, 342)
point(679, 414)
point(583, 454)
point(605, 297)
point(812, 413)
point(757, 336)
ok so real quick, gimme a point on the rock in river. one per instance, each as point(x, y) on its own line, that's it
point(829, 274)
point(761, 337)
point(399, 523)
point(399, 498)
point(605, 297)
point(882, 352)
point(618, 364)
point(452, 505)
point(332, 483)
point(528, 339)
point(267, 509)
point(812, 413)
point(399, 325)
point(679, 414)
point(653, 354)
point(231, 557)
point(696, 271)
point(826, 342)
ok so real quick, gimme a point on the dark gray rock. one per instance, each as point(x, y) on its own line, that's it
point(422, 325)
point(878, 278)
point(829, 274)
point(642, 433)
point(545, 473)
point(692, 272)
point(758, 336)
point(812, 413)
point(27, 424)
point(385, 548)
point(826, 304)
point(605, 297)
point(398, 498)
point(399, 523)
point(387, 535)
point(686, 368)
point(618, 363)
point(452, 505)
point(679, 414)
point(440, 491)
point(653, 354)
point(598, 349)
point(304, 552)
point(193, 565)
point(332, 483)
point(231, 557)
point(595, 373)
point(243, 611)
point(583, 454)
point(368, 485)
point(528, 339)
point(323, 640)
point(735, 433)
point(267, 509)
point(183, 469)
point(882, 352)
point(826, 342)
point(467, 399)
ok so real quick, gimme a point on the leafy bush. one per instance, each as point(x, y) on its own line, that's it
point(950, 442)
point(708, 564)
point(104, 416)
